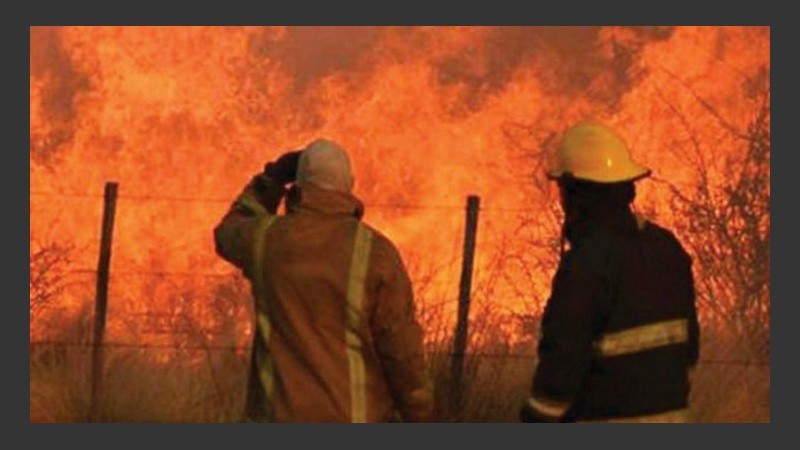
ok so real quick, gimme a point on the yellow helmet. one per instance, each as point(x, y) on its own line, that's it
point(591, 151)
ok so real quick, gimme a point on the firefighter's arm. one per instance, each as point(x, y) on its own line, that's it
point(565, 345)
point(398, 341)
point(233, 236)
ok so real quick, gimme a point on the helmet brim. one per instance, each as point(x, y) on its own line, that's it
point(634, 173)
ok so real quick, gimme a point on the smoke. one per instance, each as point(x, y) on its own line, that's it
point(571, 61)
point(310, 53)
point(61, 84)
point(587, 64)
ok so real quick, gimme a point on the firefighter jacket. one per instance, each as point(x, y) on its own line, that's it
point(619, 332)
point(336, 338)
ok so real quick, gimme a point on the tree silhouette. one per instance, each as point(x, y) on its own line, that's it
point(725, 221)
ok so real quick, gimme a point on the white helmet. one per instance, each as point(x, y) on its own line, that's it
point(325, 164)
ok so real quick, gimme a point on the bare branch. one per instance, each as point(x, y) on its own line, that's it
point(708, 106)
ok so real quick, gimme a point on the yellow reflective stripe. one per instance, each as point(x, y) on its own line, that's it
point(263, 325)
point(548, 407)
point(355, 295)
point(258, 253)
point(675, 416)
point(642, 338)
point(249, 201)
point(265, 369)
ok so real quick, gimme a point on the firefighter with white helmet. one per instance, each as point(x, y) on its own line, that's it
point(336, 337)
point(619, 334)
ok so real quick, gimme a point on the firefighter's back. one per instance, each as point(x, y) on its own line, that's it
point(649, 338)
point(317, 327)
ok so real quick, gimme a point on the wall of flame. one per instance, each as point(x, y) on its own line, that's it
point(181, 117)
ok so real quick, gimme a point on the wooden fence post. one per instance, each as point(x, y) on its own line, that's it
point(465, 286)
point(101, 300)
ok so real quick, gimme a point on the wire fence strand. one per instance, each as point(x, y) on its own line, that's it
point(221, 347)
point(233, 274)
point(170, 198)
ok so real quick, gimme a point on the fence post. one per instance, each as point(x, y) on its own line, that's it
point(465, 286)
point(101, 300)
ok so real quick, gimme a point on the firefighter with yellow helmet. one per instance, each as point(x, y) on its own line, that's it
point(619, 334)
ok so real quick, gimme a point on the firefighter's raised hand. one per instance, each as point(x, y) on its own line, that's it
point(284, 169)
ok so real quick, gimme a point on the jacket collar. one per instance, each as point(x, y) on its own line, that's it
point(622, 221)
point(323, 201)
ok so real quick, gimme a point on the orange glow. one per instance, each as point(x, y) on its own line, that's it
point(182, 117)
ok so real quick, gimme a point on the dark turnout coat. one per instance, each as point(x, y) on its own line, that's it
point(619, 332)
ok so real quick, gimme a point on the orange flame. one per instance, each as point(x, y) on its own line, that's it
point(182, 117)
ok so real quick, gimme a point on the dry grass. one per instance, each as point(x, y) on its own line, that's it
point(733, 382)
point(207, 385)
point(137, 388)
point(58, 391)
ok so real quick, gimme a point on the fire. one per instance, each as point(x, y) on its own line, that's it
point(182, 117)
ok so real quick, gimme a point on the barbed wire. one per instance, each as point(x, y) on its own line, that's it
point(220, 347)
point(162, 273)
point(168, 198)
point(140, 345)
point(169, 273)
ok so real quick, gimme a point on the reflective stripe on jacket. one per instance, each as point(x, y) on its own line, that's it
point(619, 332)
point(336, 336)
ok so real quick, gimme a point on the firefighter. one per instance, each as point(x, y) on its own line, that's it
point(619, 334)
point(336, 338)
